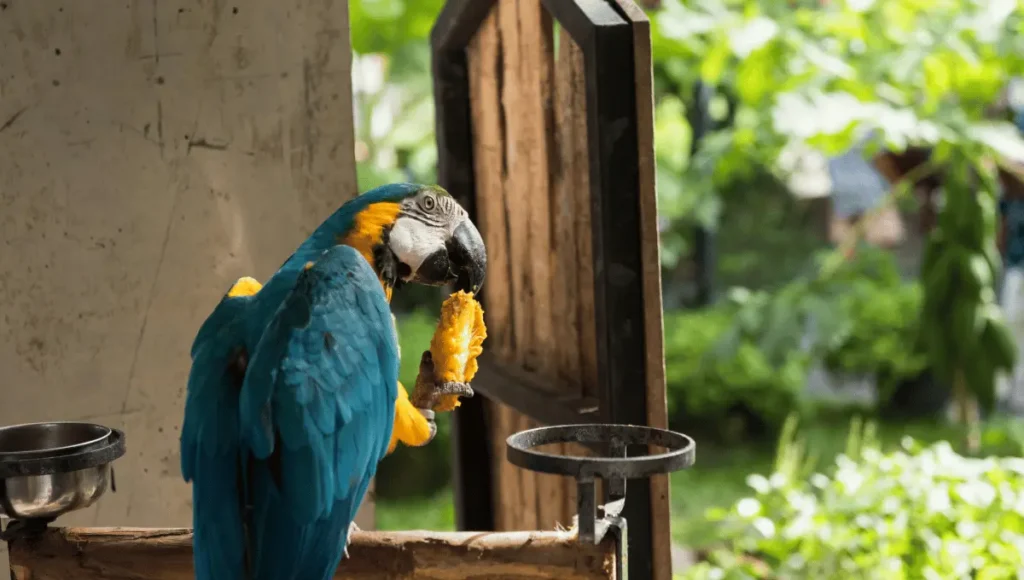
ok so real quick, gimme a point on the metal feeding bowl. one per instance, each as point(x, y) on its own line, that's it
point(50, 469)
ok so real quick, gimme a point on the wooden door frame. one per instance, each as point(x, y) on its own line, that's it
point(627, 288)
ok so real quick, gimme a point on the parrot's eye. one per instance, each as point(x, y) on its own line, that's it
point(428, 202)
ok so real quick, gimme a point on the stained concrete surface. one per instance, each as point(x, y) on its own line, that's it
point(151, 152)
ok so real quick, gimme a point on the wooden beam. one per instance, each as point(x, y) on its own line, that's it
point(530, 394)
point(654, 340)
point(166, 554)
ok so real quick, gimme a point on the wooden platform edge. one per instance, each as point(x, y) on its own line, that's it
point(166, 554)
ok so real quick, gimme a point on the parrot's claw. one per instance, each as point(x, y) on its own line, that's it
point(428, 391)
point(352, 528)
point(455, 388)
point(429, 415)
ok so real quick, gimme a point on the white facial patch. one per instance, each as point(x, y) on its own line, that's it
point(412, 241)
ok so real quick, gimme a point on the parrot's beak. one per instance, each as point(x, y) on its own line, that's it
point(462, 260)
point(468, 258)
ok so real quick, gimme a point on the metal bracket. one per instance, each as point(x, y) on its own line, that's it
point(23, 529)
point(614, 469)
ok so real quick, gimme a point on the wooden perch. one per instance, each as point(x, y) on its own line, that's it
point(166, 554)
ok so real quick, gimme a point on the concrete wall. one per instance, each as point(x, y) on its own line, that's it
point(151, 152)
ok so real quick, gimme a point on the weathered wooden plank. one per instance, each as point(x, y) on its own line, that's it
point(570, 150)
point(483, 60)
point(530, 148)
point(551, 510)
point(535, 80)
point(584, 236)
point(505, 477)
point(166, 554)
point(527, 487)
point(517, 165)
point(504, 233)
point(531, 392)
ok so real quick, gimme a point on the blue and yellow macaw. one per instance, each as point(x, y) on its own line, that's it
point(293, 388)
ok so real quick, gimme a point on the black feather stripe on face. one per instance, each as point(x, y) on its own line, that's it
point(385, 263)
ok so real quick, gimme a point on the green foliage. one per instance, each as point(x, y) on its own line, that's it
point(883, 339)
point(765, 236)
point(881, 333)
point(432, 512)
point(752, 351)
point(1005, 433)
point(389, 26)
point(900, 72)
point(918, 512)
point(828, 299)
point(963, 326)
point(394, 118)
point(720, 388)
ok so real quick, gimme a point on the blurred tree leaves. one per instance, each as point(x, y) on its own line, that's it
point(387, 26)
point(913, 71)
point(899, 73)
point(394, 107)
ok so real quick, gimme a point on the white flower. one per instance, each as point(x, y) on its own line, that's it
point(977, 493)
point(799, 527)
point(748, 507)
point(891, 505)
point(752, 36)
point(758, 483)
point(860, 5)
point(765, 526)
point(820, 480)
point(938, 499)
point(967, 529)
point(778, 480)
point(850, 479)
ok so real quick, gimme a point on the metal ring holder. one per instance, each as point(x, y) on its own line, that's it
point(614, 469)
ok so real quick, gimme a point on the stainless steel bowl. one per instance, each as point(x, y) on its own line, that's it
point(33, 440)
point(48, 496)
point(49, 469)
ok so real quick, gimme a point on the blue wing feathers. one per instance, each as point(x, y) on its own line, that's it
point(209, 454)
point(315, 411)
point(326, 372)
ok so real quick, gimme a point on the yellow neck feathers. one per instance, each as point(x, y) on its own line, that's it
point(245, 286)
point(367, 231)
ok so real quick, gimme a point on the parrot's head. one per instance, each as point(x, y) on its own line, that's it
point(434, 242)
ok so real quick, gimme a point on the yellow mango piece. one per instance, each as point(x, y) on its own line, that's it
point(457, 343)
point(411, 426)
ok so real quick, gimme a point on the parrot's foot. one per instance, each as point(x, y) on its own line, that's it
point(429, 415)
point(454, 388)
point(352, 528)
point(428, 392)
